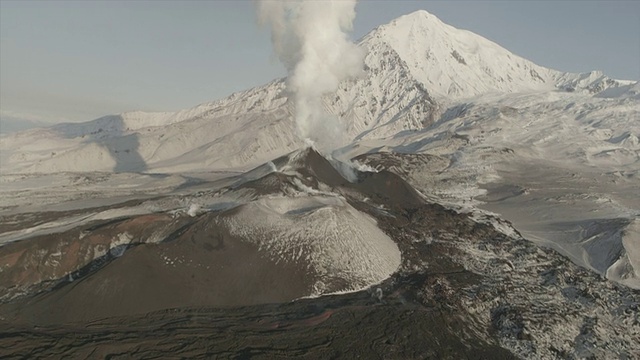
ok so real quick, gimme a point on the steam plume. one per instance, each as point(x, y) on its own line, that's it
point(310, 39)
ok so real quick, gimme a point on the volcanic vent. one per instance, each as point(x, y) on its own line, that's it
point(288, 230)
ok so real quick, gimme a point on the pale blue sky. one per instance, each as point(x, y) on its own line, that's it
point(78, 60)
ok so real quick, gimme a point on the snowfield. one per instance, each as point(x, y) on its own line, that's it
point(326, 233)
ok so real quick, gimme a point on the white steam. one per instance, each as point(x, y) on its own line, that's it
point(310, 39)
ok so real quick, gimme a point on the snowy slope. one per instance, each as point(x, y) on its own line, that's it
point(454, 63)
point(563, 167)
point(242, 130)
point(416, 67)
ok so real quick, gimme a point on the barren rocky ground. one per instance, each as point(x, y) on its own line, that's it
point(468, 286)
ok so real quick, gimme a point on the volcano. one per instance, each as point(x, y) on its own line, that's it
point(483, 207)
point(289, 234)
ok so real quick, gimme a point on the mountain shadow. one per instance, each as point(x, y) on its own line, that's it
point(113, 134)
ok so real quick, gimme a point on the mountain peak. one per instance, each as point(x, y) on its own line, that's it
point(455, 63)
point(422, 16)
point(418, 23)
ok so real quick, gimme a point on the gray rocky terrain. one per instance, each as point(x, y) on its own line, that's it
point(190, 285)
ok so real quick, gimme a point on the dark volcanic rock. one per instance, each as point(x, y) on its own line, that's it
point(345, 326)
point(203, 266)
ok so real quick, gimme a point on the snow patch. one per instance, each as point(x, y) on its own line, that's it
point(336, 240)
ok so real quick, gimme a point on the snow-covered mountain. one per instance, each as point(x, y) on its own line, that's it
point(415, 69)
point(454, 63)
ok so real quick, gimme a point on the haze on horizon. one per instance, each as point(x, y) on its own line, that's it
point(76, 61)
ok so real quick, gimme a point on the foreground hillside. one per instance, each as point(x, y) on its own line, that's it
point(308, 257)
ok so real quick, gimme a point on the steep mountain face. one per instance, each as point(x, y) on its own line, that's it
point(454, 64)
